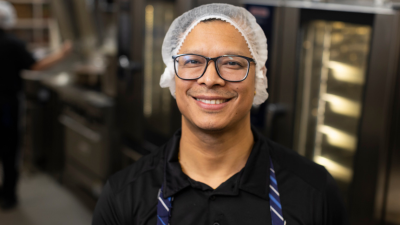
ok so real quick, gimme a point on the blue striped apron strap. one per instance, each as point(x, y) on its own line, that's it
point(274, 198)
point(164, 205)
point(164, 208)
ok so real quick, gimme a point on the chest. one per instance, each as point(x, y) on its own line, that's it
point(205, 208)
point(197, 207)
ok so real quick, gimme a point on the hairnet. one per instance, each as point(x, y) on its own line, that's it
point(240, 18)
point(7, 15)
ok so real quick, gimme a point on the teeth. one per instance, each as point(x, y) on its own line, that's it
point(213, 102)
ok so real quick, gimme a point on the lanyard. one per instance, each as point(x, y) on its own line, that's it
point(164, 206)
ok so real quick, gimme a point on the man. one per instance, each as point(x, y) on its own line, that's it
point(14, 58)
point(217, 169)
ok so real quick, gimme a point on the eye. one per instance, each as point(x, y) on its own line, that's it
point(191, 61)
point(232, 63)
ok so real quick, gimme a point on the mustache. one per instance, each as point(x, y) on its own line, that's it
point(213, 91)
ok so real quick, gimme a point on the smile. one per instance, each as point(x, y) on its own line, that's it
point(212, 102)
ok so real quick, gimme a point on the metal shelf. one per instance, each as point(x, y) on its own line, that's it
point(32, 24)
point(28, 1)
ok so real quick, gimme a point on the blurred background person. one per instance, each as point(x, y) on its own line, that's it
point(14, 57)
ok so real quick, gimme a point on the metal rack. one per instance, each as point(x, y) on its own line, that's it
point(34, 24)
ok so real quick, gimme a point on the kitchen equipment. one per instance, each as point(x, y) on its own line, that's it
point(334, 68)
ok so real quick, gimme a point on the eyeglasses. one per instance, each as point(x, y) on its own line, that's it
point(234, 68)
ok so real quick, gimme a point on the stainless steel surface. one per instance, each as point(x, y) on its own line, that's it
point(157, 101)
point(392, 204)
point(202, 2)
point(285, 79)
point(80, 129)
point(79, 27)
point(88, 137)
point(372, 155)
point(365, 190)
point(331, 80)
point(276, 56)
point(109, 79)
point(85, 153)
point(183, 5)
point(341, 6)
point(44, 137)
point(392, 212)
point(129, 99)
point(145, 111)
point(91, 139)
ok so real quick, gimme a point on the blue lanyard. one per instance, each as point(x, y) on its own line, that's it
point(164, 206)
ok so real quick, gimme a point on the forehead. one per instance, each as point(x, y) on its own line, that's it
point(215, 38)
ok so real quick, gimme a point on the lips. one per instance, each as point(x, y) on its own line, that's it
point(212, 102)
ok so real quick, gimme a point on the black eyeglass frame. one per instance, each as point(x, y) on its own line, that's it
point(249, 60)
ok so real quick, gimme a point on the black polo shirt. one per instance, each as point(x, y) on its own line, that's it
point(308, 192)
point(14, 57)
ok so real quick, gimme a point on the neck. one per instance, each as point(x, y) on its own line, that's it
point(212, 157)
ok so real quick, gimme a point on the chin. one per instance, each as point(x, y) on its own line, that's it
point(211, 127)
point(208, 125)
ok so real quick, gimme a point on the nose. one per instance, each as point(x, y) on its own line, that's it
point(211, 77)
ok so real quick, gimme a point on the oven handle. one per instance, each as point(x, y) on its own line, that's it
point(79, 128)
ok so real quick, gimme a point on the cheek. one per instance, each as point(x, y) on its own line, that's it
point(178, 92)
point(248, 88)
point(181, 87)
point(245, 95)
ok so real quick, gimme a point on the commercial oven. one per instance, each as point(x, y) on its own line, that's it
point(332, 81)
point(91, 141)
point(146, 114)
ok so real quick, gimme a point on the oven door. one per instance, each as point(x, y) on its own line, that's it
point(335, 81)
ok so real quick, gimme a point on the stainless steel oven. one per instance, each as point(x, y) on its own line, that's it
point(334, 68)
point(91, 140)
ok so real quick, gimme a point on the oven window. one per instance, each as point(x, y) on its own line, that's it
point(332, 75)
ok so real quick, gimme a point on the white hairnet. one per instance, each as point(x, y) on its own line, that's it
point(240, 18)
point(7, 15)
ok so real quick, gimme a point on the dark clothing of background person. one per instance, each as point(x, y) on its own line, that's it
point(308, 192)
point(14, 57)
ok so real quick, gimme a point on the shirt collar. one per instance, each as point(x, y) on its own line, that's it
point(174, 178)
point(254, 177)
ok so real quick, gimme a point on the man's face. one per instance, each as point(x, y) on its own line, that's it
point(213, 39)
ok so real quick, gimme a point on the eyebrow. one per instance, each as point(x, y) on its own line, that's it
point(226, 53)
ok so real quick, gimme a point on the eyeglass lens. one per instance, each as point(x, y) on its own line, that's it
point(232, 68)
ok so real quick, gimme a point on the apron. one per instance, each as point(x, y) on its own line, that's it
point(164, 206)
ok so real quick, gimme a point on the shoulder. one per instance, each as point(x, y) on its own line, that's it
point(12, 46)
point(10, 39)
point(124, 191)
point(298, 166)
point(148, 166)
